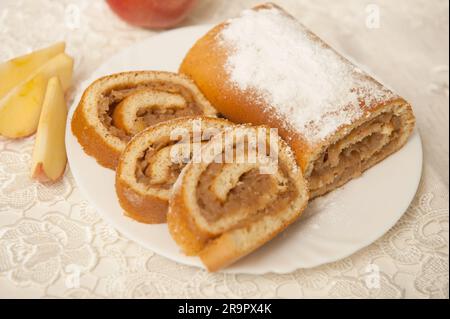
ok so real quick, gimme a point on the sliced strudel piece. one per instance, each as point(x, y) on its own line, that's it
point(242, 191)
point(116, 107)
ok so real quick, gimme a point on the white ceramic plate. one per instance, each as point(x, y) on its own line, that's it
point(332, 228)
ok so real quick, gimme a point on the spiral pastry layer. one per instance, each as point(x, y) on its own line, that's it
point(116, 107)
point(243, 191)
point(152, 161)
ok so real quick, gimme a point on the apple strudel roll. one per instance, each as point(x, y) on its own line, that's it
point(244, 190)
point(152, 161)
point(114, 108)
point(265, 67)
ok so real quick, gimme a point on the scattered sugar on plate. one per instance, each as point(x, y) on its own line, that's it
point(306, 83)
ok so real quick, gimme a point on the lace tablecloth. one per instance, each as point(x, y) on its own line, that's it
point(54, 244)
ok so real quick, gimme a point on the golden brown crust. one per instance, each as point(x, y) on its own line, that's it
point(182, 229)
point(92, 143)
point(144, 209)
point(224, 250)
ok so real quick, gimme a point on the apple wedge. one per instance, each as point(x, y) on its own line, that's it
point(49, 153)
point(15, 71)
point(21, 107)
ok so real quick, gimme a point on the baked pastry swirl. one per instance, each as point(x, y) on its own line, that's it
point(236, 196)
point(116, 107)
point(264, 67)
point(152, 161)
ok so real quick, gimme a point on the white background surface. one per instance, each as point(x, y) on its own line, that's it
point(49, 233)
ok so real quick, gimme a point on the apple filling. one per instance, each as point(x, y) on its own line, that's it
point(146, 113)
point(160, 165)
point(359, 150)
point(242, 192)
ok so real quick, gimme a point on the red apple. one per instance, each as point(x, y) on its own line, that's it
point(155, 14)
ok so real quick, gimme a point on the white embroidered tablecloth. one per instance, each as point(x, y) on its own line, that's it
point(50, 236)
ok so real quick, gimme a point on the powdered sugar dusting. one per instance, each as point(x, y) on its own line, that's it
point(311, 87)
